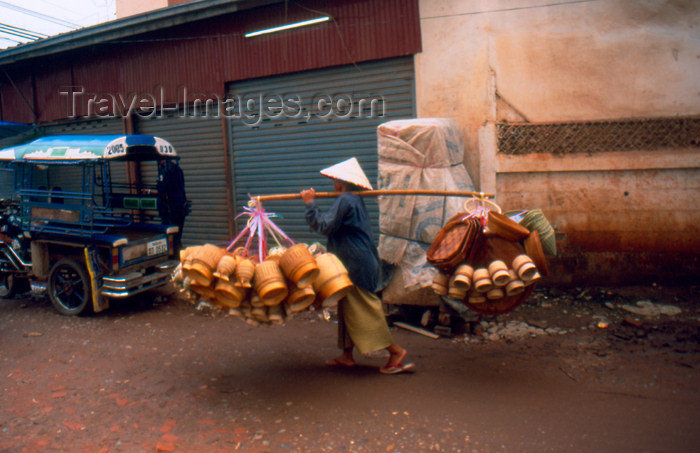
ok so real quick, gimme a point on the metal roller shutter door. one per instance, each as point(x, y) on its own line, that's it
point(200, 145)
point(285, 155)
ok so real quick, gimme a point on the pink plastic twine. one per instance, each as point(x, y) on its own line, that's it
point(259, 222)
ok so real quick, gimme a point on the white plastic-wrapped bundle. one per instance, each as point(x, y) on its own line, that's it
point(417, 154)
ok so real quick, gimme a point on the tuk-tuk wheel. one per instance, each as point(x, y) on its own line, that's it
point(69, 287)
point(8, 285)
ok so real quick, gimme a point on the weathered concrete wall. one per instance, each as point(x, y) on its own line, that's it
point(130, 7)
point(621, 216)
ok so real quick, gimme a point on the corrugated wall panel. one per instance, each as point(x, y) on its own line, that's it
point(17, 95)
point(359, 31)
point(200, 144)
point(285, 155)
point(106, 126)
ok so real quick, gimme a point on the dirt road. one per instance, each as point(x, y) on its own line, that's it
point(566, 371)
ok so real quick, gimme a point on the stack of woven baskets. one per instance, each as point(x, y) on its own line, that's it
point(487, 260)
point(288, 281)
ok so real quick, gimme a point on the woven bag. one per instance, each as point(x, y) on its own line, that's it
point(455, 242)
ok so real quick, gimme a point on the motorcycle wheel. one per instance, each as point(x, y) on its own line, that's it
point(69, 288)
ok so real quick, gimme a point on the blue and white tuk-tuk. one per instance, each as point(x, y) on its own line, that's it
point(83, 215)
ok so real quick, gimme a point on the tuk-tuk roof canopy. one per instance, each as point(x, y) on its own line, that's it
point(80, 147)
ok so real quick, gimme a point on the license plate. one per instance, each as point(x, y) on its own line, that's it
point(157, 247)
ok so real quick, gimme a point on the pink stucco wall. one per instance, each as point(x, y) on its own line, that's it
point(620, 217)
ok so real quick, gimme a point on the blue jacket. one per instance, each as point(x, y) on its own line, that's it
point(347, 225)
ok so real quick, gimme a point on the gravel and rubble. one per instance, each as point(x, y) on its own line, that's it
point(622, 313)
point(614, 311)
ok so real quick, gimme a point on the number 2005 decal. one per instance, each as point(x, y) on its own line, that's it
point(114, 150)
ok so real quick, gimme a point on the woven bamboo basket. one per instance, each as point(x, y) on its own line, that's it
point(333, 282)
point(299, 265)
point(498, 270)
point(226, 267)
point(495, 293)
point(524, 267)
point(533, 248)
point(299, 299)
point(456, 292)
point(482, 280)
point(205, 292)
point(440, 283)
point(534, 220)
point(245, 269)
point(515, 286)
point(204, 263)
point(506, 228)
point(275, 314)
point(269, 282)
point(476, 298)
point(463, 276)
point(186, 256)
point(228, 294)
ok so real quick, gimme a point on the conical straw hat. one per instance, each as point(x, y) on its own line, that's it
point(349, 171)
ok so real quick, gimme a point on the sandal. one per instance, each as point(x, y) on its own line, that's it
point(340, 363)
point(396, 369)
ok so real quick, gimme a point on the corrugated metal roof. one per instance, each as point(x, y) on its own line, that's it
point(202, 56)
point(128, 26)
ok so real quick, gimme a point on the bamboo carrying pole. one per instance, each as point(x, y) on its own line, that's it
point(427, 333)
point(376, 193)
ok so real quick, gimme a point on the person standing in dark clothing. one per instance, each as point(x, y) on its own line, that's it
point(361, 320)
point(172, 203)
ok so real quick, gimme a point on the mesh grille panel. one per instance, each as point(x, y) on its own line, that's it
point(598, 136)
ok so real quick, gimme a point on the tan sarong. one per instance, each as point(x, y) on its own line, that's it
point(362, 323)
